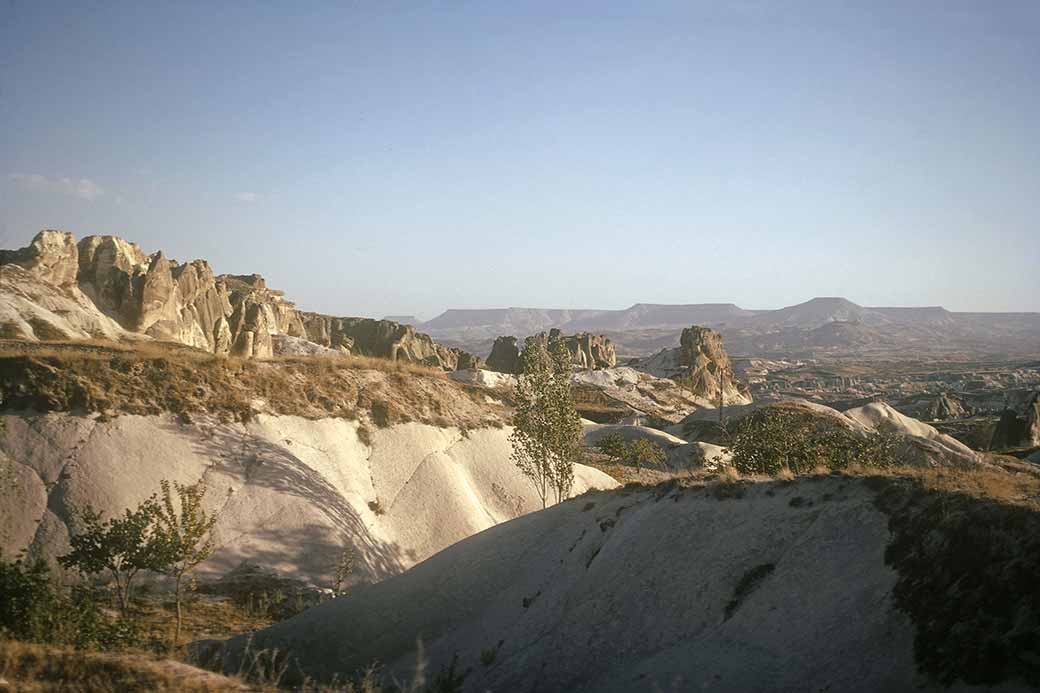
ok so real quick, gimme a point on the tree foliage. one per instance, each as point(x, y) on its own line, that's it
point(35, 608)
point(547, 431)
point(122, 545)
point(772, 440)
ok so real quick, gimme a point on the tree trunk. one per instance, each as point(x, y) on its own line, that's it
point(120, 593)
point(177, 599)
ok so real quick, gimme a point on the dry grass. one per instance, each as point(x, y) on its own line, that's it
point(154, 378)
point(29, 667)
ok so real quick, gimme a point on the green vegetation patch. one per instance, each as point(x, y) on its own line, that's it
point(774, 440)
point(969, 578)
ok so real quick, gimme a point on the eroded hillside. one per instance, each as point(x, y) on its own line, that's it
point(839, 582)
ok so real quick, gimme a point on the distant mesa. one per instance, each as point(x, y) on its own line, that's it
point(105, 286)
point(828, 324)
point(404, 319)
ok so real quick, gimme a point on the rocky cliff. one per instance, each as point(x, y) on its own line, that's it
point(105, 286)
point(384, 339)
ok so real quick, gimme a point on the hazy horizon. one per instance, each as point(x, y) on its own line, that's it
point(408, 158)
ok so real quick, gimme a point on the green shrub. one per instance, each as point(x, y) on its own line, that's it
point(34, 609)
point(642, 452)
point(773, 440)
point(613, 445)
point(639, 453)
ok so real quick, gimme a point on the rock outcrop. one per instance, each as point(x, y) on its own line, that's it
point(700, 364)
point(39, 296)
point(1018, 430)
point(384, 339)
point(944, 407)
point(588, 352)
point(106, 286)
point(505, 356)
point(51, 256)
point(1033, 421)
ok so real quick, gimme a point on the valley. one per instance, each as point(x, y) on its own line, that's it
point(354, 468)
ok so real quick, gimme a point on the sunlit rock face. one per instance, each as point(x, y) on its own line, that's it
point(106, 286)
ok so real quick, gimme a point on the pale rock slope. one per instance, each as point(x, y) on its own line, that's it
point(291, 493)
point(652, 589)
point(639, 394)
point(680, 454)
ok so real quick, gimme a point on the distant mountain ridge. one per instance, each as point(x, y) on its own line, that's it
point(792, 328)
point(808, 315)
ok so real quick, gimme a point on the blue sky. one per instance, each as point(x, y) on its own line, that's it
point(407, 157)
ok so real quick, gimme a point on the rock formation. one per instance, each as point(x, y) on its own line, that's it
point(51, 256)
point(700, 364)
point(505, 356)
point(1015, 430)
point(39, 296)
point(107, 286)
point(1032, 433)
point(383, 339)
point(588, 352)
point(945, 407)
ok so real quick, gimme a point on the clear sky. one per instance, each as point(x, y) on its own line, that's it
point(406, 157)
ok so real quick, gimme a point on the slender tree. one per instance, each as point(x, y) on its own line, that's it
point(183, 537)
point(547, 429)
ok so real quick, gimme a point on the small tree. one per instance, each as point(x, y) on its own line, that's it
point(183, 537)
point(123, 545)
point(343, 569)
point(547, 429)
